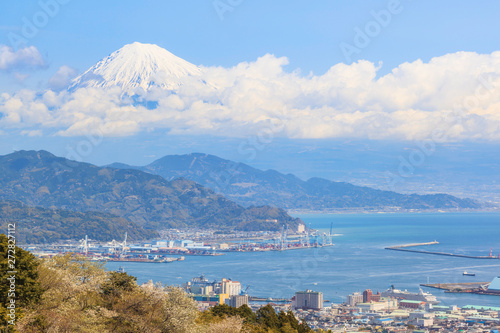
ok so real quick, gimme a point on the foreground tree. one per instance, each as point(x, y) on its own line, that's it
point(19, 276)
point(264, 321)
point(81, 296)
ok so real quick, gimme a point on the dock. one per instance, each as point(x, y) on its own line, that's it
point(405, 247)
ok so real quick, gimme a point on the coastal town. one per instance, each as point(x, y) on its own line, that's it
point(390, 311)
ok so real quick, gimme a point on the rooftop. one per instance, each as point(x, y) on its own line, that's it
point(481, 307)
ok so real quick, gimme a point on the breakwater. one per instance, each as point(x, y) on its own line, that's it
point(405, 248)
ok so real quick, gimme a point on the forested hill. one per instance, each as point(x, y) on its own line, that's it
point(36, 225)
point(38, 178)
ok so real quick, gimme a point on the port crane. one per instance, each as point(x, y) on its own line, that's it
point(124, 244)
point(283, 237)
point(331, 233)
point(309, 235)
point(84, 244)
point(116, 245)
point(245, 292)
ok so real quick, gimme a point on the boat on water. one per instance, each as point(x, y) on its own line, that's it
point(406, 295)
point(469, 274)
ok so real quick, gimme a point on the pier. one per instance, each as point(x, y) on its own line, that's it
point(405, 247)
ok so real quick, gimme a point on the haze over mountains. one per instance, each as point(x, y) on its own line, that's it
point(250, 186)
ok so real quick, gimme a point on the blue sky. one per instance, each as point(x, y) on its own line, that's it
point(398, 87)
point(308, 33)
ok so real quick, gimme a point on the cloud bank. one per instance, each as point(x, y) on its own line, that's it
point(28, 57)
point(453, 97)
point(62, 78)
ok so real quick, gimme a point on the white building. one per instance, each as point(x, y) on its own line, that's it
point(230, 287)
point(384, 304)
point(354, 298)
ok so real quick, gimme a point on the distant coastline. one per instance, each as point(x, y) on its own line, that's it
point(335, 211)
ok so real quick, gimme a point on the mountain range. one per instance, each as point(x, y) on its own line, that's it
point(38, 178)
point(250, 186)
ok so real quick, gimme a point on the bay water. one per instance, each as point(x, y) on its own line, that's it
point(358, 261)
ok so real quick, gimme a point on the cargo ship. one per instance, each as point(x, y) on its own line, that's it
point(404, 294)
point(469, 274)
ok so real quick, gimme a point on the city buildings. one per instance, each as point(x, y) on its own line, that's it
point(354, 298)
point(308, 300)
point(230, 287)
point(238, 300)
point(367, 295)
point(379, 314)
point(383, 304)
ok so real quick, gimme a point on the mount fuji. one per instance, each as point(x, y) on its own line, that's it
point(137, 66)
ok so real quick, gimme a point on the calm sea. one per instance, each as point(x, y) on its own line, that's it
point(358, 260)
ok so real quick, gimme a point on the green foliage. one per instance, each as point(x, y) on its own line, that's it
point(27, 288)
point(19, 276)
point(266, 316)
point(225, 310)
point(119, 282)
point(81, 296)
point(265, 320)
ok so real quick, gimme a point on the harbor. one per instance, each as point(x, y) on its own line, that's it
point(181, 243)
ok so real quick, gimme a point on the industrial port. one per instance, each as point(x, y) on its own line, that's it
point(176, 245)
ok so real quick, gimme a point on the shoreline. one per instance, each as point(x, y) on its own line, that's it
point(338, 211)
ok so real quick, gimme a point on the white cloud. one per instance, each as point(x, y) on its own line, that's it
point(452, 98)
point(62, 77)
point(28, 57)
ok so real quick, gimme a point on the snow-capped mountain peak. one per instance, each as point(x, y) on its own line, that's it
point(135, 66)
